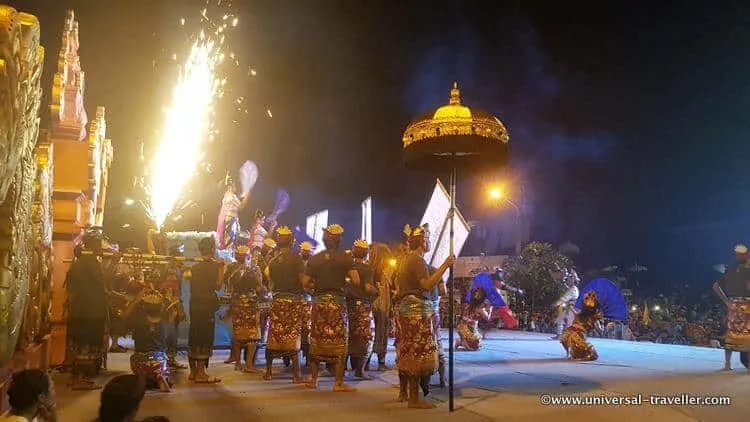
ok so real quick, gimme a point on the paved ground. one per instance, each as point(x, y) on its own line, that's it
point(505, 381)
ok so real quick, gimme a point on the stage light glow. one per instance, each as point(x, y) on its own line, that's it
point(129, 202)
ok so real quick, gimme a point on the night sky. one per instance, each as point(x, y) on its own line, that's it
point(626, 118)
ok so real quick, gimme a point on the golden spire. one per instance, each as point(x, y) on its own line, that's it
point(455, 95)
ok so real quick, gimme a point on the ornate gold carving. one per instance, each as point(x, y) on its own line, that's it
point(21, 60)
point(455, 119)
point(68, 113)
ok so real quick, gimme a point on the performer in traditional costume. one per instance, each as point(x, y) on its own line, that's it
point(171, 289)
point(599, 299)
point(416, 348)
point(328, 271)
point(205, 278)
point(231, 272)
point(247, 288)
point(469, 336)
point(88, 314)
point(359, 306)
point(289, 307)
point(566, 302)
point(150, 330)
point(264, 258)
point(258, 233)
point(305, 253)
point(229, 221)
point(734, 290)
point(383, 267)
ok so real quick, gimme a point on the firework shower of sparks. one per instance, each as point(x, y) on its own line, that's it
point(189, 120)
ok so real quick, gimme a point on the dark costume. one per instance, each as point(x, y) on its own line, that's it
point(88, 313)
point(289, 306)
point(203, 306)
point(736, 285)
point(600, 298)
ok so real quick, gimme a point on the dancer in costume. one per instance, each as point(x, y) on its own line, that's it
point(205, 278)
point(359, 306)
point(171, 289)
point(599, 299)
point(734, 290)
point(145, 318)
point(328, 271)
point(567, 301)
point(383, 265)
point(232, 271)
point(247, 288)
point(88, 314)
point(229, 221)
point(416, 348)
point(286, 275)
point(500, 308)
point(264, 259)
point(258, 233)
point(469, 336)
point(305, 252)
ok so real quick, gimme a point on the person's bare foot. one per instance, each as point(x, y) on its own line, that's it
point(267, 376)
point(343, 388)
point(362, 376)
point(421, 404)
point(230, 360)
point(300, 381)
point(207, 379)
point(312, 384)
point(402, 398)
point(191, 377)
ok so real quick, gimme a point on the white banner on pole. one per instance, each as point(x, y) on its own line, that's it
point(367, 220)
point(315, 225)
point(436, 215)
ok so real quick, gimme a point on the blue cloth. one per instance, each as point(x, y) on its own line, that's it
point(611, 300)
point(484, 280)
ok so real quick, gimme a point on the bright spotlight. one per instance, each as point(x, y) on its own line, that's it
point(129, 202)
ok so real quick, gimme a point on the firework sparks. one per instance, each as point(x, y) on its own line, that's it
point(187, 125)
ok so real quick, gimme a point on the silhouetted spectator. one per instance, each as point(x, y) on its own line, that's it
point(31, 398)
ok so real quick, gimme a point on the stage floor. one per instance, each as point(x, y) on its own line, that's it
point(506, 380)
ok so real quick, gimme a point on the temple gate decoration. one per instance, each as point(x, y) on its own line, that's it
point(24, 197)
point(82, 159)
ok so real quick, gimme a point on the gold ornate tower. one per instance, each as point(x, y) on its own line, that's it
point(82, 159)
point(24, 198)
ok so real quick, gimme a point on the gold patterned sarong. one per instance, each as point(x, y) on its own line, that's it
point(361, 329)
point(573, 340)
point(286, 320)
point(149, 365)
point(738, 325)
point(306, 323)
point(469, 334)
point(416, 347)
point(330, 328)
point(245, 320)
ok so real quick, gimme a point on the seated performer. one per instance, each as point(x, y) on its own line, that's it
point(145, 316)
point(600, 298)
point(734, 290)
point(567, 301)
point(329, 334)
point(468, 329)
point(289, 308)
point(359, 306)
point(416, 348)
point(247, 287)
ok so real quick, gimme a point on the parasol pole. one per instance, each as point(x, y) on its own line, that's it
point(451, 311)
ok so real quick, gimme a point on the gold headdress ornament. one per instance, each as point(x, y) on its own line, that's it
point(270, 243)
point(590, 300)
point(306, 246)
point(283, 231)
point(152, 297)
point(334, 229)
point(361, 243)
point(741, 249)
point(407, 230)
point(227, 179)
point(423, 230)
point(242, 250)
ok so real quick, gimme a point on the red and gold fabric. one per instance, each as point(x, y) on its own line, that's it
point(416, 347)
point(738, 325)
point(288, 311)
point(361, 327)
point(329, 333)
point(245, 320)
point(150, 365)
